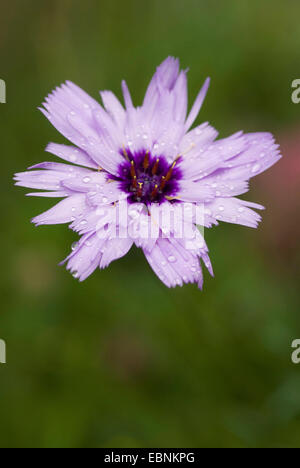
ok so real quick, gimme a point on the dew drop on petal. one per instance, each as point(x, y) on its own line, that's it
point(172, 259)
point(86, 180)
point(255, 168)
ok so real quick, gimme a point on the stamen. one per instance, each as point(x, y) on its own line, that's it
point(163, 183)
point(154, 191)
point(125, 153)
point(169, 173)
point(146, 160)
point(100, 169)
point(132, 169)
point(155, 167)
point(140, 190)
point(134, 182)
point(193, 145)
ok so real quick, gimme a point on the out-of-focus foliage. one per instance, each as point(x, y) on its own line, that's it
point(121, 361)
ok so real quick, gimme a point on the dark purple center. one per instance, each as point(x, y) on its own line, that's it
point(148, 179)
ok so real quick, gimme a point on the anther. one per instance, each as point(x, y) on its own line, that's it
point(140, 190)
point(146, 161)
point(154, 191)
point(132, 169)
point(163, 183)
point(169, 173)
point(125, 153)
point(134, 182)
point(155, 167)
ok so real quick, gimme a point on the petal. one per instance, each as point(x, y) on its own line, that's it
point(101, 220)
point(127, 95)
point(165, 77)
point(63, 212)
point(114, 108)
point(51, 176)
point(115, 249)
point(194, 192)
point(173, 264)
point(211, 157)
point(71, 154)
point(72, 112)
point(87, 182)
point(86, 256)
point(197, 105)
point(195, 141)
point(181, 98)
point(233, 210)
point(56, 194)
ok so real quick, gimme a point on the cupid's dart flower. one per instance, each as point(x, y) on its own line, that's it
point(140, 175)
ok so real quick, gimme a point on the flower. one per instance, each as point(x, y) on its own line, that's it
point(142, 176)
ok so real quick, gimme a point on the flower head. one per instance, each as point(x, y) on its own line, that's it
point(140, 175)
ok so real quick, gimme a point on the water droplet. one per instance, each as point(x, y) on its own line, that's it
point(86, 180)
point(74, 246)
point(104, 199)
point(241, 209)
point(221, 208)
point(255, 168)
point(172, 259)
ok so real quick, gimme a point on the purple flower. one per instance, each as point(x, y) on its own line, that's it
point(141, 176)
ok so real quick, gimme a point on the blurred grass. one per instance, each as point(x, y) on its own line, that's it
point(121, 361)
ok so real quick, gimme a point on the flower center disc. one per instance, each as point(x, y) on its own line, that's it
point(148, 179)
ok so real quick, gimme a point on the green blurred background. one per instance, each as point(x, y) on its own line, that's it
point(120, 360)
